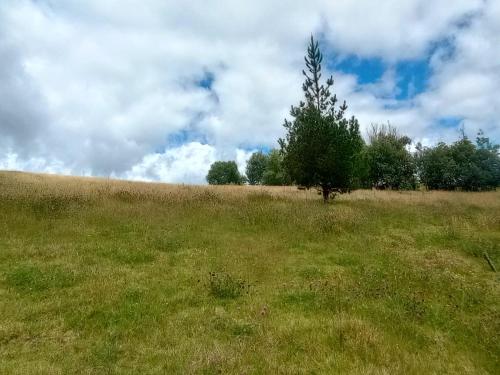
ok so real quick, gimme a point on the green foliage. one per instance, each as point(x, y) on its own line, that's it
point(436, 167)
point(256, 166)
point(275, 173)
point(487, 159)
point(267, 169)
point(462, 165)
point(361, 177)
point(321, 147)
point(224, 173)
point(390, 164)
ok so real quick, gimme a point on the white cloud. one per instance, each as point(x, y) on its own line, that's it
point(467, 84)
point(99, 86)
point(12, 162)
point(242, 157)
point(188, 163)
point(393, 29)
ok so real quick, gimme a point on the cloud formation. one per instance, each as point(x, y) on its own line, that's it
point(156, 91)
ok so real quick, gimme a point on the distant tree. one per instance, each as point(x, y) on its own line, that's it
point(462, 165)
point(275, 173)
point(436, 167)
point(467, 172)
point(224, 173)
point(390, 163)
point(483, 143)
point(256, 166)
point(488, 160)
point(321, 146)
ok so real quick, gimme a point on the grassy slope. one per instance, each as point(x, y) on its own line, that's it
point(101, 276)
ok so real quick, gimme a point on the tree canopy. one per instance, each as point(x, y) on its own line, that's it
point(224, 173)
point(275, 173)
point(256, 166)
point(461, 165)
point(390, 163)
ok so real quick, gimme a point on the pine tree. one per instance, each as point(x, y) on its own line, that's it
point(321, 146)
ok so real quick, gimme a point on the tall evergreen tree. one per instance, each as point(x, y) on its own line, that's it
point(321, 145)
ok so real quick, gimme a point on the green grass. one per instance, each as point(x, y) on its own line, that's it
point(106, 277)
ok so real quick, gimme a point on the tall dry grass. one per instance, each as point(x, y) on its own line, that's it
point(15, 185)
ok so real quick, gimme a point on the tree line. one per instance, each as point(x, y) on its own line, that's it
point(324, 149)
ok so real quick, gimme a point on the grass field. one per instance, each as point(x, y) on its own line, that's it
point(103, 277)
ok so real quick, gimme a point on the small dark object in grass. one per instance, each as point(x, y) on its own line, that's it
point(224, 286)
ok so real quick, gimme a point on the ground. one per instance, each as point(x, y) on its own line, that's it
point(102, 276)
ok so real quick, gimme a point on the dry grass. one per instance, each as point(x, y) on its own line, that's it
point(483, 199)
point(28, 184)
point(91, 188)
point(103, 276)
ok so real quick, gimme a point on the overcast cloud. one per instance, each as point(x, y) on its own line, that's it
point(158, 90)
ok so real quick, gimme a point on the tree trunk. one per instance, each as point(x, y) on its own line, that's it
point(326, 194)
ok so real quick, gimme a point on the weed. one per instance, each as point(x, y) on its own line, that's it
point(224, 286)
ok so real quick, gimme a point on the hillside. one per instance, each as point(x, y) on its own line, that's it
point(104, 276)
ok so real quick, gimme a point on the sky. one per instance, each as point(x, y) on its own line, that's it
point(157, 90)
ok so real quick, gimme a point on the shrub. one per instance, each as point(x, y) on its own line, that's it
point(224, 286)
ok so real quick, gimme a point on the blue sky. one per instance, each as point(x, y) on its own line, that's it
point(411, 76)
point(158, 91)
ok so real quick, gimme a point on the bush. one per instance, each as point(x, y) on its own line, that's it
point(390, 164)
point(224, 286)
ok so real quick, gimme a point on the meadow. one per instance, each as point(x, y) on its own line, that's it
point(101, 276)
